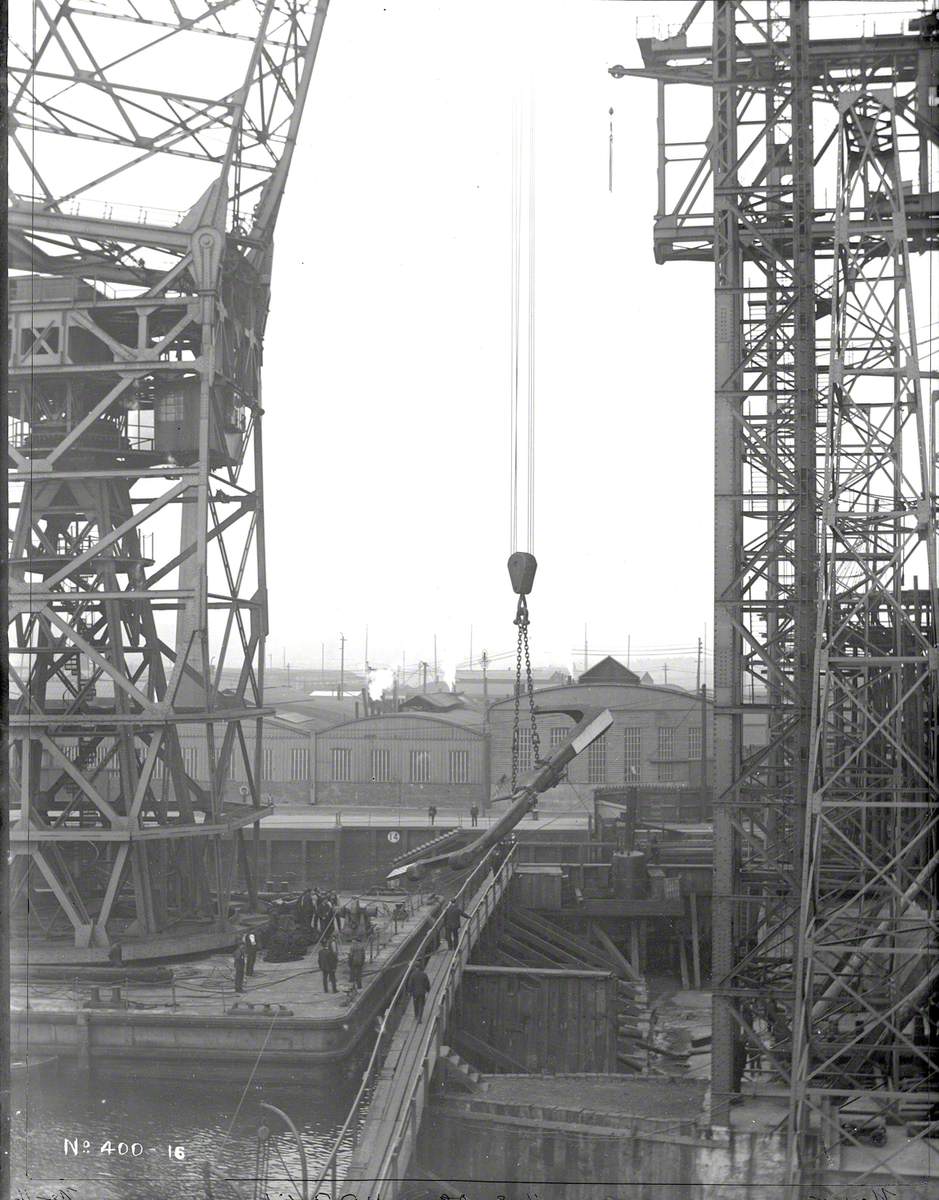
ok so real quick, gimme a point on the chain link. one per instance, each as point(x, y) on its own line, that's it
point(518, 692)
point(522, 651)
point(535, 740)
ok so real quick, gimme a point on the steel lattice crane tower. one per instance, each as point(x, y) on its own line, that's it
point(150, 147)
point(808, 187)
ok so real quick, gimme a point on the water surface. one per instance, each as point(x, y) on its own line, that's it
point(212, 1123)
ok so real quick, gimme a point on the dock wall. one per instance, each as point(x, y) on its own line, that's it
point(204, 1045)
point(572, 1154)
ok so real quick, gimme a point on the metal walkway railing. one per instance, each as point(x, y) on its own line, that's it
point(402, 1062)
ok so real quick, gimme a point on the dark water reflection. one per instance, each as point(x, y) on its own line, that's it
point(203, 1118)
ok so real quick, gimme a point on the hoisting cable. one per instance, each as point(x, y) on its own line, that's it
point(514, 284)
point(522, 564)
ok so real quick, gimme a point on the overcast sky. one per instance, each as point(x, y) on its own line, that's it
point(387, 353)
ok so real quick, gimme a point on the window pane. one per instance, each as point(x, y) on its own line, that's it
point(381, 766)
point(632, 753)
point(342, 764)
point(299, 763)
point(666, 753)
point(459, 766)
point(596, 760)
point(524, 749)
point(420, 766)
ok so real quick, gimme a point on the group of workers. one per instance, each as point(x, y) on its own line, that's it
point(321, 914)
point(474, 814)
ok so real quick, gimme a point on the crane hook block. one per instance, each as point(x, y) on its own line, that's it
point(522, 568)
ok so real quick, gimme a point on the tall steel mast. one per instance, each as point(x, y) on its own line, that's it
point(150, 147)
point(757, 191)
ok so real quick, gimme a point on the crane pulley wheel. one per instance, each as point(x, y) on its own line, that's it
point(522, 568)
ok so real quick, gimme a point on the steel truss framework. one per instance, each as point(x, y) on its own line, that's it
point(135, 422)
point(742, 193)
point(869, 914)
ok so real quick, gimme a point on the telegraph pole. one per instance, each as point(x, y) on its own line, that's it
point(342, 665)
point(485, 662)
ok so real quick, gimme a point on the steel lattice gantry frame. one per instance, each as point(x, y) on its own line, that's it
point(150, 146)
point(740, 194)
point(869, 914)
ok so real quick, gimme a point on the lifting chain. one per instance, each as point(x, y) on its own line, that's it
point(522, 621)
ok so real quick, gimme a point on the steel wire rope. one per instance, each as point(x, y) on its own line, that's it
point(244, 1093)
point(514, 288)
point(531, 326)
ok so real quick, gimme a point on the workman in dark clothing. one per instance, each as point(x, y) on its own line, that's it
point(451, 923)
point(432, 814)
point(356, 964)
point(417, 987)
point(240, 962)
point(116, 955)
point(251, 952)
point(360, 923)
point(328, 961)
point(474, 815)
point(305, 909)
point(324, 914)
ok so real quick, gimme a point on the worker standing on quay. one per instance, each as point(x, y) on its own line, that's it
point(474, 815)
point(432, 813)
point(417, 987)
point(451, 923)
point(328, 961)
point(324, 914)
point(305, 908)
point(251, 952)
point(240, 962)
point(356, 964)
